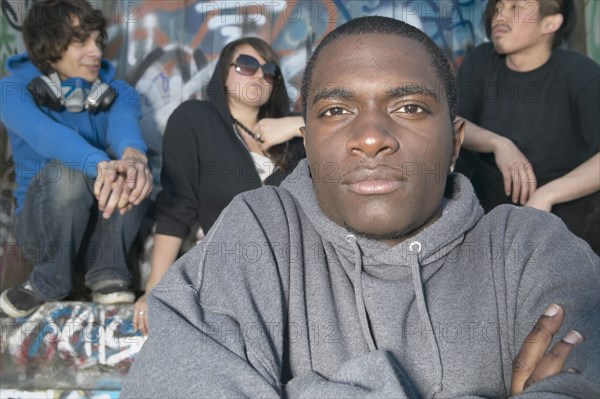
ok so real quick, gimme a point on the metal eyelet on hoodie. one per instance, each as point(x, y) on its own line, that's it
point(413, 245)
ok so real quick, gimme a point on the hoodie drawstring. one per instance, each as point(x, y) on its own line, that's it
point(358, 293)
point(415, 248)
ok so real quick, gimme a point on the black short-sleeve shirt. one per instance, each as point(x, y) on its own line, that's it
point(551, 113)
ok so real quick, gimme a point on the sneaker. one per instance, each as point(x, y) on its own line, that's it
point(19, 301)
point(112, 295)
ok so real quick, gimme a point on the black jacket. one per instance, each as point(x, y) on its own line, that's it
point(205, 164)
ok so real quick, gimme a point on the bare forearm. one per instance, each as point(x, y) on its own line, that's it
point(479, 139)
point(519, 177)
point(581, 181)
point(295, 123)
point(278, 130)
point(164, 254)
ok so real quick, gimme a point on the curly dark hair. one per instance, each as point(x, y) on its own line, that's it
point(49, 28)
point(386, 25)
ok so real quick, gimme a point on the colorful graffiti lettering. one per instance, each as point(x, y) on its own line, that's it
point(67, 344)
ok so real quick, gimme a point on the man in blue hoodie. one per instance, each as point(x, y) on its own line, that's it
point(372, 270)
point(81, 168)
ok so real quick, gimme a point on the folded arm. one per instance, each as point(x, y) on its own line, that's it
point(549, 265)
point(519, 177)
point(581, 181)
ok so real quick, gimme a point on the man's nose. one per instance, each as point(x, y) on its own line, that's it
point(373, 135)
point(94, 49)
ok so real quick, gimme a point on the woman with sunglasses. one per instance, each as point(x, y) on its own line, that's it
point(238, 139)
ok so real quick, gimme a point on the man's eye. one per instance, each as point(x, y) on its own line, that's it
point(410, 109)
point(335, 111)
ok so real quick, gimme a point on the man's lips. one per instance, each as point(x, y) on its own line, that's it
point(380, 180)
point(499, 30)
point(375, 186)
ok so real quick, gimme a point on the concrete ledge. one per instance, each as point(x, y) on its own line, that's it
point(57, 394)
point(68, 346)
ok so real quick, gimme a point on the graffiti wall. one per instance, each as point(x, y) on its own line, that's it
point(168, 49)
point(592, 29)
point(68, 346)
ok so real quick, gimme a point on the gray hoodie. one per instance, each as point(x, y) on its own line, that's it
point(278, 300)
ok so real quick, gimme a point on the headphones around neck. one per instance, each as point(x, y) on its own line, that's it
point(51, 92)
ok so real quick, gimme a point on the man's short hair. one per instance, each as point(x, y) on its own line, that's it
point(385, 25)
point(547, 7)
point(48, 29)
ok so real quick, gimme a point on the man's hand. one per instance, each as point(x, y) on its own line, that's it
point(519, 178)
point(534, 362)
point(139, 177)
point(122, 183)
point(108, 187)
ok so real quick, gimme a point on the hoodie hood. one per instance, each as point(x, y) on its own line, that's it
point(216, 94)
point(19, 65)
point(461, 211)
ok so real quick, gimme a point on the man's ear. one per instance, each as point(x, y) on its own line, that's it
point(458, 135)
point(552, 23)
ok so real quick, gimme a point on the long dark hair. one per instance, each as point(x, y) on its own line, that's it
point(278, 104)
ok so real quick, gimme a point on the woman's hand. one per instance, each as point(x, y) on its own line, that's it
point(140, 314)
point(275, 131)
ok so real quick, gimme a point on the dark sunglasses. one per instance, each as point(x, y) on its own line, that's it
point(248, 65)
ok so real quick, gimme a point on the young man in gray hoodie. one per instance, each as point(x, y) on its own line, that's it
point(372, 271)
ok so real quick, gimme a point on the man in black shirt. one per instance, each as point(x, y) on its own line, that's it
point(533, 114)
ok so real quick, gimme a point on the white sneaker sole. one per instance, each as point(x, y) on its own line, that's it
point(8, 308)
point(113, 298)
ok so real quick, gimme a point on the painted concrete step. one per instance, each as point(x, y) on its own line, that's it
point(58, 394)
point(68, 346)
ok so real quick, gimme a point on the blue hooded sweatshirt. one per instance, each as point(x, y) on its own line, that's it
point(79, 140)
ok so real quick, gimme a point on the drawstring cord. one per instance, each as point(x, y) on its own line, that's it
point(415, 248)
point(358, 293)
